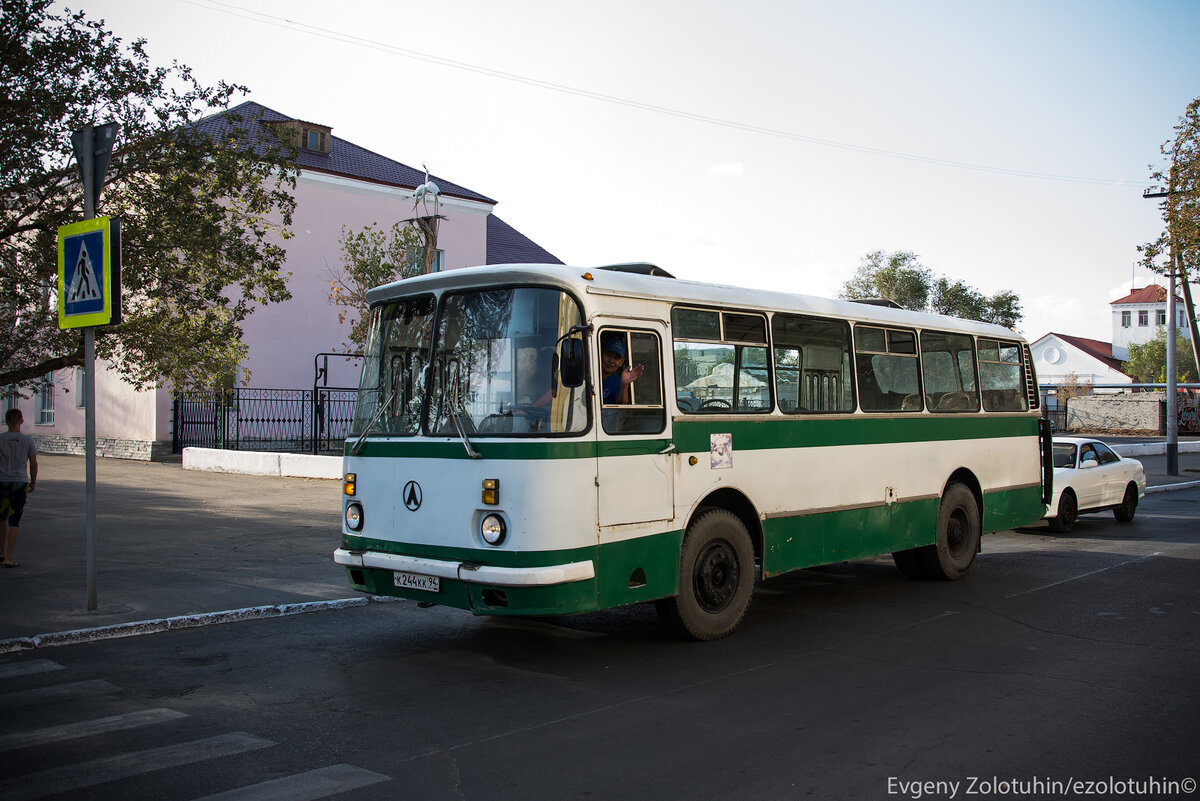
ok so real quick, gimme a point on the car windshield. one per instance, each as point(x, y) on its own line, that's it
point(493, 371)
point(1064, 454)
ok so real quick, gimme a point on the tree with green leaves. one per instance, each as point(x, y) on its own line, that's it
point(204, 209)
point(1148, 362)
point(901, 278)
point(1179, 181)
point(371, 257)
point(1179, 178)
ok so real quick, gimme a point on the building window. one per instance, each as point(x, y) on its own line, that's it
point(1125, 318)
point(1144, 317)
point(418, 257)
point(45, 403)
point(11, 398)
point(1160, 317)
point(315, 140)
point(80, 388)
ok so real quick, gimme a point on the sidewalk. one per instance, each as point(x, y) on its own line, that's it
point(171, 542)
point(168, 542)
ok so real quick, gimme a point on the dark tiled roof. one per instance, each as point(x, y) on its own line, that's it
point(344, 158)
point(507, 245)
point(1101, 351)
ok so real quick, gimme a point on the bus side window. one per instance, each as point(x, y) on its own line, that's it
point(640, 352)
point(948, 369)
point(888, 378)
point(1001, 377)
point(812, 364)
point(721, 361)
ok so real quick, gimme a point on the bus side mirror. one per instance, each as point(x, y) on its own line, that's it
point(572, 363)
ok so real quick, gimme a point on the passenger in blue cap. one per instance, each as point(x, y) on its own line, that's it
point(617, 377)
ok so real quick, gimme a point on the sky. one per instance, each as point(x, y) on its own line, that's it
point(759, 143)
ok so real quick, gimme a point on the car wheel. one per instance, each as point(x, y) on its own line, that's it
point(1125, 512)
point(716, 578)
point(1068, 509)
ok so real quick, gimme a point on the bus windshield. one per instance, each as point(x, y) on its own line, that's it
point(493, 373)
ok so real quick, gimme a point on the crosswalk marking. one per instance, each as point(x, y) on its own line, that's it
point(14, 669)
point(57, 692)
point(87, 728)
point(85, 777)
point(309, 786)
point(123, 766)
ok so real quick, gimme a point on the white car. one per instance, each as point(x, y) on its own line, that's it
point(1090, 477)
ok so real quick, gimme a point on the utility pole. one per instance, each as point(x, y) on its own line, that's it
point(1172, 327)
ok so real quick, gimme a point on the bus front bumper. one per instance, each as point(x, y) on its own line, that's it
point(468, 572)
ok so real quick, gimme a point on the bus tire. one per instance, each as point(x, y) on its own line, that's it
point(952, 556)
point(909, 562)
point(716, 578)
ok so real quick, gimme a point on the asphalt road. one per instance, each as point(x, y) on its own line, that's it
point(1062, 658)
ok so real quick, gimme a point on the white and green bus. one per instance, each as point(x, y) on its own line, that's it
point(490, 467)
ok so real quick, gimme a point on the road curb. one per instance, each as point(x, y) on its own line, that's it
point(1177, 486)
point(140, 627)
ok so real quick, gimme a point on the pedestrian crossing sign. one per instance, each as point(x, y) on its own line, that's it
point(89, 273)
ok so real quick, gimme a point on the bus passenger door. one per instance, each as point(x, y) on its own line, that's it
point(635, 475)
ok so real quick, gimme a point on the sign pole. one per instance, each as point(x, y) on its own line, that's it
point(87, 168)
point(89, 295)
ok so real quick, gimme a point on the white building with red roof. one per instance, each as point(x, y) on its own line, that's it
point(1060, 357)
point(1137, 317)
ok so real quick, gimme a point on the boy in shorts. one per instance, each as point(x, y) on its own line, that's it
point(18, 477)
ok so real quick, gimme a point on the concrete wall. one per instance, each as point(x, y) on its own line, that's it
point(108, 447)
point(257, 463)
point(1137, 411)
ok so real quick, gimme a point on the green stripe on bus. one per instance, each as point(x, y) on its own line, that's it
point(540, 449)
point(692, 436)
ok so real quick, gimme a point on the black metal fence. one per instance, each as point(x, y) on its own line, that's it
point(289, 420)
point(1057, 417)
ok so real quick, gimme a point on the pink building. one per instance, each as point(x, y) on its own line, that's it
point(340, 184)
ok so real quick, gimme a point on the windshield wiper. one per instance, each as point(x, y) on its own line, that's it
point(455, 411)
point(370, 426)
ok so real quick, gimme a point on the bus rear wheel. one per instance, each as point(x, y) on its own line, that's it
point(716, 578)
point(952, 556)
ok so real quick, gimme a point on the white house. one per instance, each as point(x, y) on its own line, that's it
point(340, 184)
point(1137, 317)
point(1059, 357)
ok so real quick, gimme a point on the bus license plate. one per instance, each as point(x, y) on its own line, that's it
point(416, 581)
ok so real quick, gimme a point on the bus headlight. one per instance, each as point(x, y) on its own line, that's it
point(354, 516)
point(493, 529)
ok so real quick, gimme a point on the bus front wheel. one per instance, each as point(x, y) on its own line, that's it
point(716, 578)
point(952, 556)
